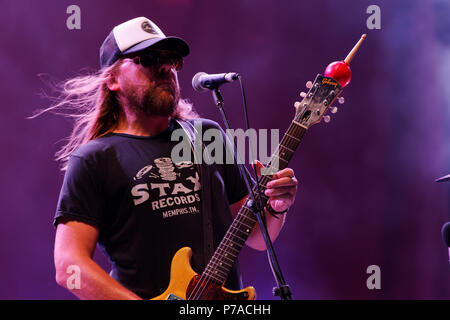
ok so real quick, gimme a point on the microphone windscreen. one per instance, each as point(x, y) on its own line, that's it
point(196, 82)
point(446, 234)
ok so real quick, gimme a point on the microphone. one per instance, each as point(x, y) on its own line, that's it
point(203, 81)
point(445, 231)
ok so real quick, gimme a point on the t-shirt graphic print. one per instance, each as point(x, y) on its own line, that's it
point(170, 189)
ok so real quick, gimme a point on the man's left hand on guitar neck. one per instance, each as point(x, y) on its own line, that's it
point(281, 192)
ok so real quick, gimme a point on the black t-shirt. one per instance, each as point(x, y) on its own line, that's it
point(145, 206)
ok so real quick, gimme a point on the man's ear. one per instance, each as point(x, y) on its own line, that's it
point(112, 83)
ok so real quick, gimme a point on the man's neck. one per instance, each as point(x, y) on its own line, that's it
point(141, 124)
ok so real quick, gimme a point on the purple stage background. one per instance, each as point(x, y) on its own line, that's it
point(367, 194)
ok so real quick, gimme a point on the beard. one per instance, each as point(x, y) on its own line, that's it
point(160, 101)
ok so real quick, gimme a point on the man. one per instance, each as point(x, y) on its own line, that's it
point(122, 189)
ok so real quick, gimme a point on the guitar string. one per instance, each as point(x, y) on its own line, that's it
point(228, 242)
point(202, 283)
point(289, 138)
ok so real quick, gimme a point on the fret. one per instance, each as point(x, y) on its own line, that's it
point(220, 262)
point(213, 265)
point(299, 124)
point(249, 212)
point(231, 247)
point(284, 154)
point(292, 137)
point(224, 254)
point(285, 147)
point(224, 270)
point(234, 243)
point(216, 271)
point(296, 130)
point(216, 265)
point(220, 267)
point(280, 158)
point(237, 234)
point(244, 224)
point(242, 216)
point(289, 143)
point(212, 277)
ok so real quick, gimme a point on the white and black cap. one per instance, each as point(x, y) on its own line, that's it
point(135, 35)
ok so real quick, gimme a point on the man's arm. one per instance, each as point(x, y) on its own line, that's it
point(281, 191)
point(74, 246)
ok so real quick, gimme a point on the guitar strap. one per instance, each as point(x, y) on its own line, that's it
point(205, 180)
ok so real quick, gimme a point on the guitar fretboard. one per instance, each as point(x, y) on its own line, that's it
point(229, 248)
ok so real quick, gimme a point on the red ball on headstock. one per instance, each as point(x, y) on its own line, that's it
point(340, 70)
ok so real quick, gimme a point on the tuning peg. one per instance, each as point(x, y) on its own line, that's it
point(302, 94)
point(333, 109)
point(341, 100)
point(297, 104)
point(327, 118)
point(309, 85)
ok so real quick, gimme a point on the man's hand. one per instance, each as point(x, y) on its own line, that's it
point(281, 192)
point(282, 189)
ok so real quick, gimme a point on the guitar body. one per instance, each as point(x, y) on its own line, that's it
point(183, 280)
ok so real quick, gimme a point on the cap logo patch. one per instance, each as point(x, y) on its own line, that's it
point(146, 26)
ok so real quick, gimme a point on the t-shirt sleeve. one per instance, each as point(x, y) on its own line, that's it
point(80, 197)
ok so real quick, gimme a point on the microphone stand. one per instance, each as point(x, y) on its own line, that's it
point(283, 289)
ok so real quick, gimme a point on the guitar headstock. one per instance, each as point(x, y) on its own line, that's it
point(316, 102)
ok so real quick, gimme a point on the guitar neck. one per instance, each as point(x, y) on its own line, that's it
point(228, 250)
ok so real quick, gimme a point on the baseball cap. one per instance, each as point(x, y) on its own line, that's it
point(135, 35)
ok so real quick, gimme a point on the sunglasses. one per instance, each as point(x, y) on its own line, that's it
point(156, 58)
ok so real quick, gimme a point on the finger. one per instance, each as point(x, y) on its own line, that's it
point(258, 166)
point(281, 203)
point(286, 172)
point(282, 182)
point(281, 191)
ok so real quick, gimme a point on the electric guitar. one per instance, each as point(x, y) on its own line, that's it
point(185, 283)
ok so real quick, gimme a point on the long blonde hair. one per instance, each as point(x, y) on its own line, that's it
point(94, 108)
